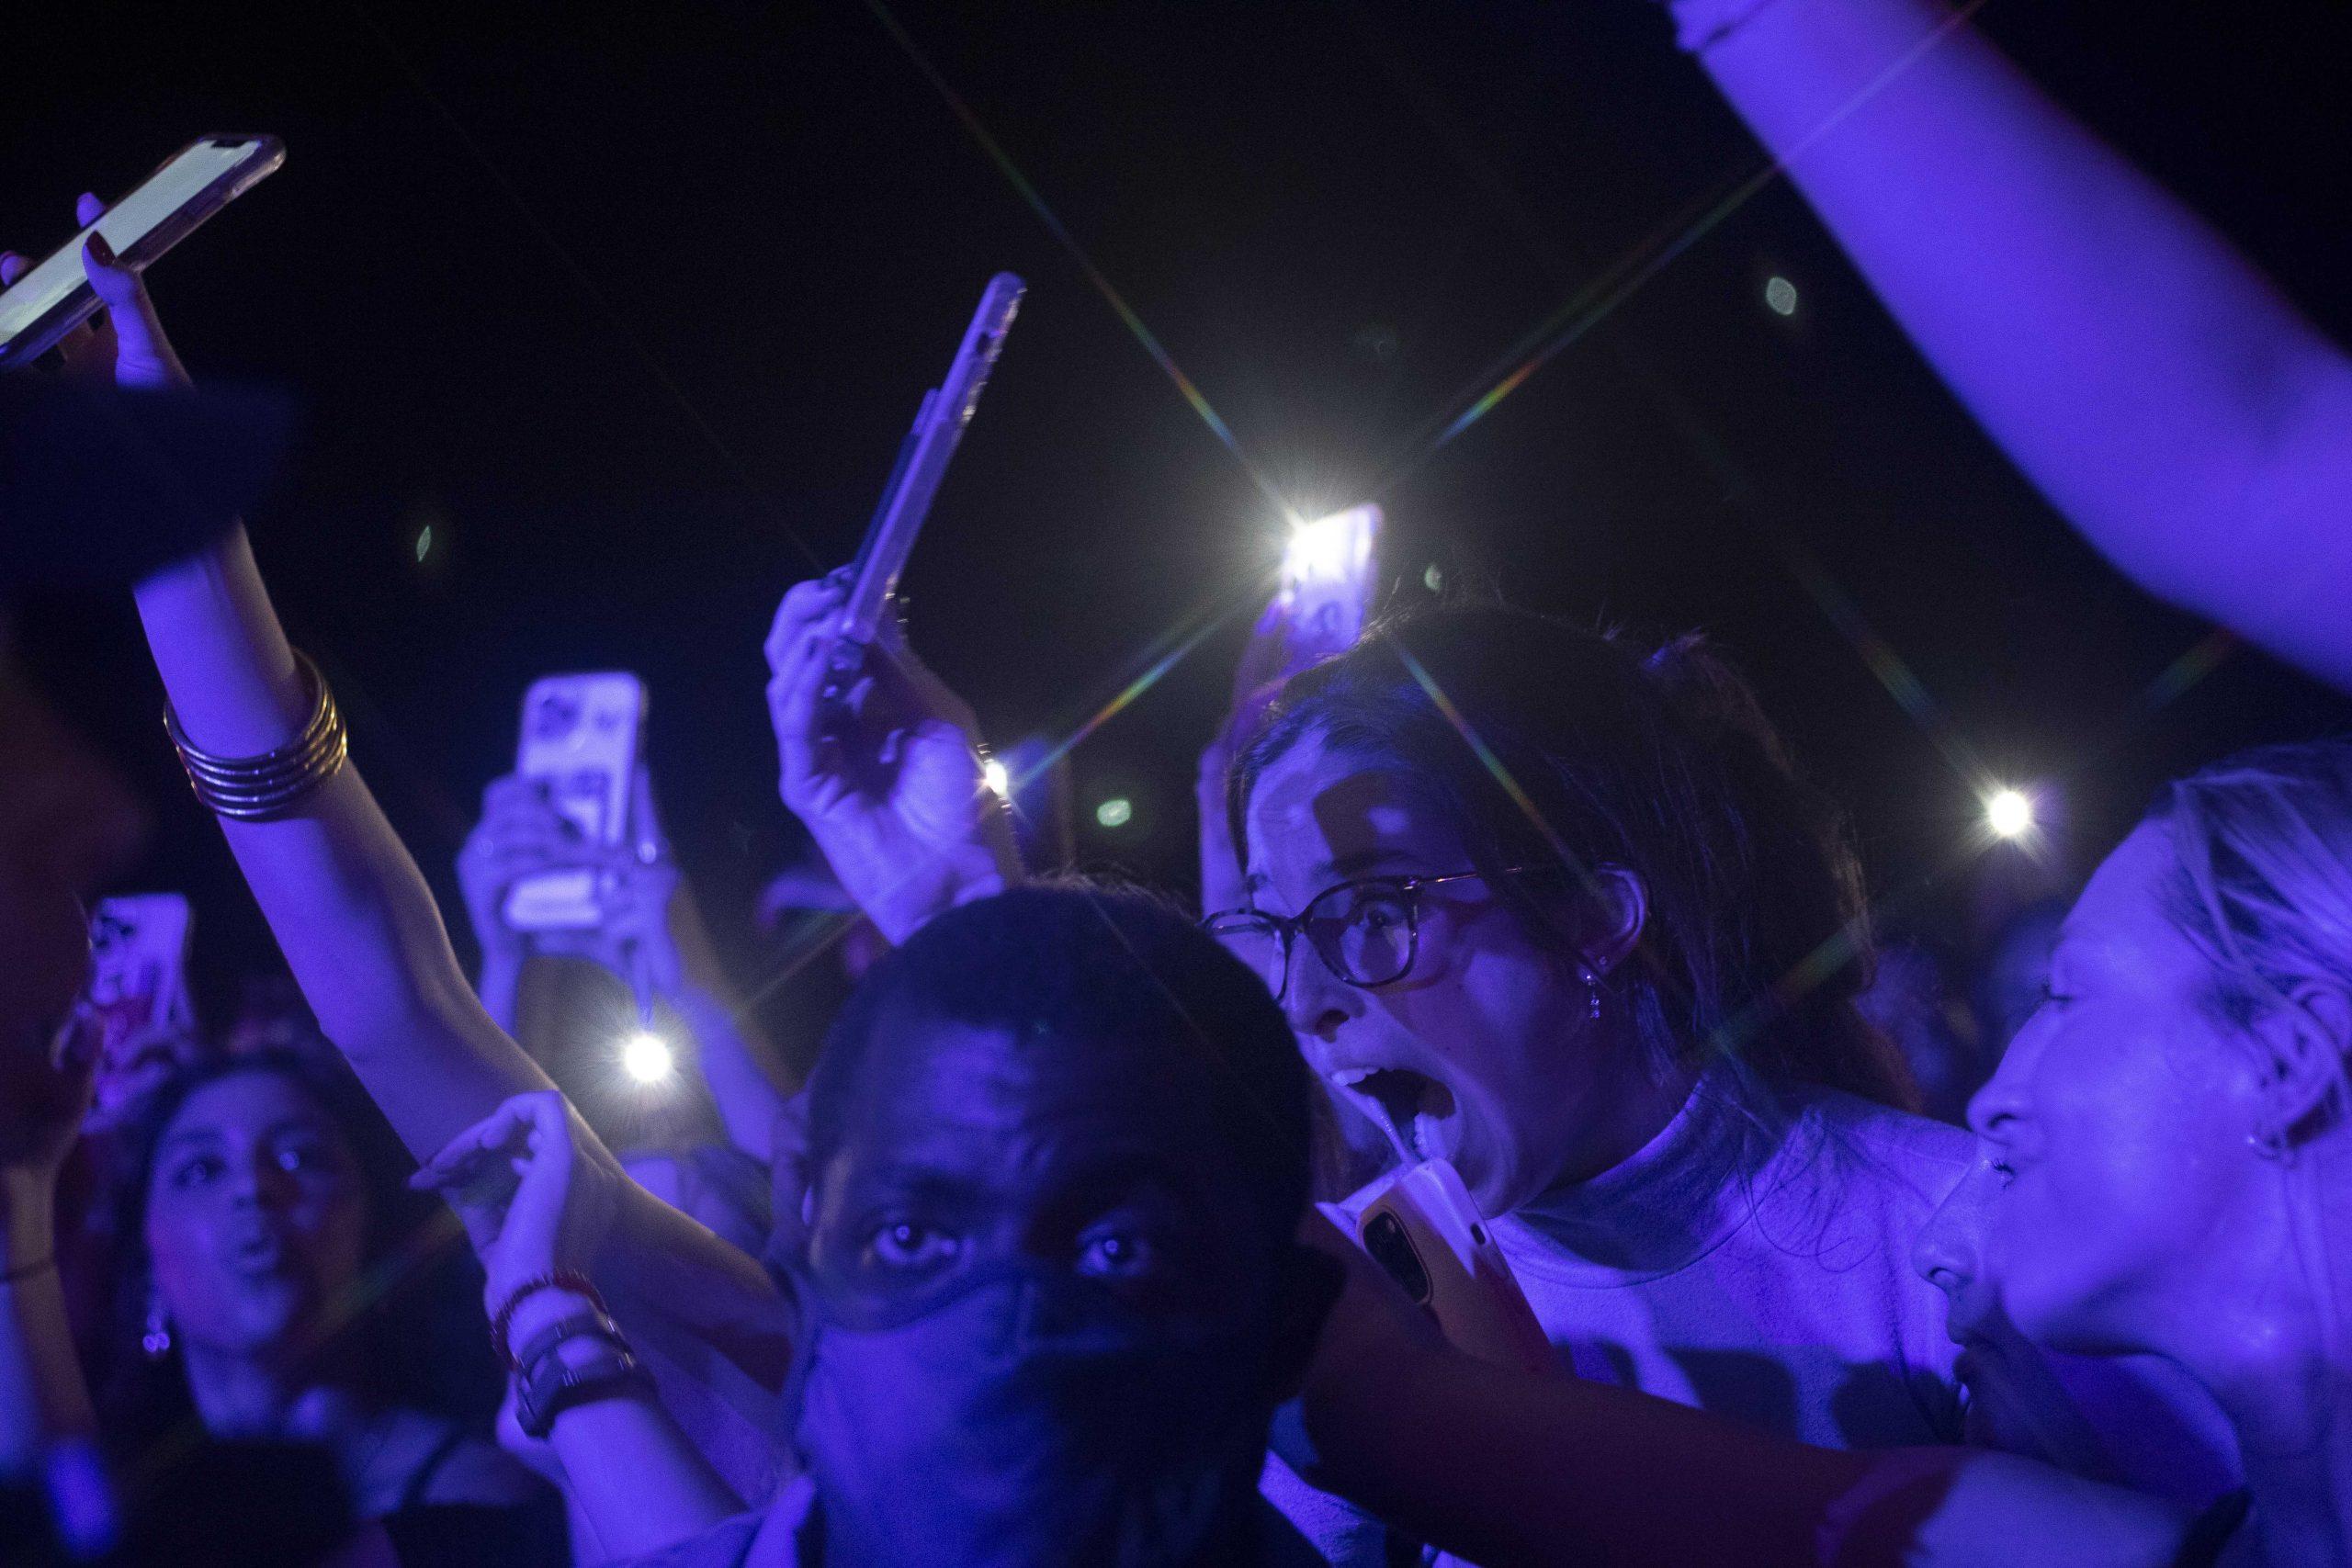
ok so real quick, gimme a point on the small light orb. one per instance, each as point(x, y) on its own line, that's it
point(423, 543)
point(2009, 812)
point(645, 1056)
point(1433, 580)
point(1782, 295)
point(1115, 812)
point(999, 780)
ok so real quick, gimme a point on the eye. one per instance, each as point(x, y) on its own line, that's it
point(909, 1244)
point(1120, 1254)
point(197, 1171)
point(304, 1159)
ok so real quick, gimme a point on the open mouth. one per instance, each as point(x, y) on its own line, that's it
point(1414, 1109)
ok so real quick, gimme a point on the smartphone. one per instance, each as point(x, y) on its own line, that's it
point(139, 995)
point(1327, 582)
point(581, 739)
point(192, 184)
point(946, 410)
point(1421, 1228)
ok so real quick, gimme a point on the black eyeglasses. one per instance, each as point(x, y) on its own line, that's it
point(1367, 933)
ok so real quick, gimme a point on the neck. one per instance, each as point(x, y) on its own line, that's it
point(1637, 1113)
point(239, 1394)
point(2274, 1355)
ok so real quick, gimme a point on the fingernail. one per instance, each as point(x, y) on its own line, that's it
point(100, 249)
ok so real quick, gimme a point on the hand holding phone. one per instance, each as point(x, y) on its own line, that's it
point(578, 747)
point(45, 302)
point(886, 773)
point(137, 1001)
point(1421, 1228)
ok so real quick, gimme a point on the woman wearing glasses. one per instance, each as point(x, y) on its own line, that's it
point(1561, 915)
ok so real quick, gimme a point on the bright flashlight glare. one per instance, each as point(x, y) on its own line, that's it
point(1115, 812)
point(1330, 548)
point(645, 1056)
point(1000, 781)
point(2009, 812)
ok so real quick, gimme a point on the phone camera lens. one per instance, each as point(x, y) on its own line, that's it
point(1384, 1238)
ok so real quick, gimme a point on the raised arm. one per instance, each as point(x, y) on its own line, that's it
point(351, 912)
point(2147, 377)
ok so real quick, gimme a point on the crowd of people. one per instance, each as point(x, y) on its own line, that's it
point(1049, 1255)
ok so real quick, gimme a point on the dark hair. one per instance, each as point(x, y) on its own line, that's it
point(414, 1263)
point(1549, 745)
point(1090, 961)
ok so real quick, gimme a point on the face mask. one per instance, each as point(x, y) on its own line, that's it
point(1018, 1415)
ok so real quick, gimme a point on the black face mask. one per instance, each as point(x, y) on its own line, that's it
point(1019, 1416)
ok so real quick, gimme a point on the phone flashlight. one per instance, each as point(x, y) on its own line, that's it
point(1328, 578)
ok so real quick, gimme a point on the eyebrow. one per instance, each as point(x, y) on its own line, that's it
point(1339, 868)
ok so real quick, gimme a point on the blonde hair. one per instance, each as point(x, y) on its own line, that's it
point(2264, 882)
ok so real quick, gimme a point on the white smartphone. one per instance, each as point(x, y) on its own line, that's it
point(1327, 582)
point(581, 735)
point(940, 420)
point(192, 184)
point(139, 946)
point(1420, 1224)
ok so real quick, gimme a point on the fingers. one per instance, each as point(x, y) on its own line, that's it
point(805, 607)
point(464, 1157)
point(144, 355)
point(12, 267)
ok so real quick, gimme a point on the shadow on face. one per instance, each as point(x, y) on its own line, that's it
point(256, 1216)
point(962, 1146)
point(1483, 1052)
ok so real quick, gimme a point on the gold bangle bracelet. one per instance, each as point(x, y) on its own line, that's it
point(260, 788)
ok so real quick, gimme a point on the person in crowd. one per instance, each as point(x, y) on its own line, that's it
point(2171, 1156)
point(2156, 386)
point(265, 748)
point(1048, 1291)
point(1569, 921)
point(267, 1285)
point(698, 1136)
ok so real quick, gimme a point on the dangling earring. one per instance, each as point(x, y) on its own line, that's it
point(1592, 985)
point(157, 1341)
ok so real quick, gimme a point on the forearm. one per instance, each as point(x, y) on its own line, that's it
point(42, 1398)
point(1499, 1467)
point(737, 1059)
point(347, 903)
point(660, 1263)
point(2148, 378)
point(636, 1477)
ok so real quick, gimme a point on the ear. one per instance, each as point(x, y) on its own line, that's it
point(1615, 909)
point(2308, 1050)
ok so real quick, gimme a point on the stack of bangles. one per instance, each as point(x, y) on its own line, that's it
point(261, 788)
point(550, 1378)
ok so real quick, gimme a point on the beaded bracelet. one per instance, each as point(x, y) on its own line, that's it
point(554, 1280)
point(263, 787)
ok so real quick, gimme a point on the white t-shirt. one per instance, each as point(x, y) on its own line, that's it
point(1753, 1262)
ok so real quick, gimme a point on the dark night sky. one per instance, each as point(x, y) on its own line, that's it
point(633, 303)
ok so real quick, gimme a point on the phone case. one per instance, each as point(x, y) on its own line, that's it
point(1420, 1225)
point(263, 157)
point(139, 969)
point(580, 734)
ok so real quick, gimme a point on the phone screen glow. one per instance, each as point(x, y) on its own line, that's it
point(124, 224)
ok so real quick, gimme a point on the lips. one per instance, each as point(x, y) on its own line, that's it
point(1416, 1110)
point(259, 1254)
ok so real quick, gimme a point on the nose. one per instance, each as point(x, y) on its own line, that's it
point(1317, 1002)
point(1941, 1254)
